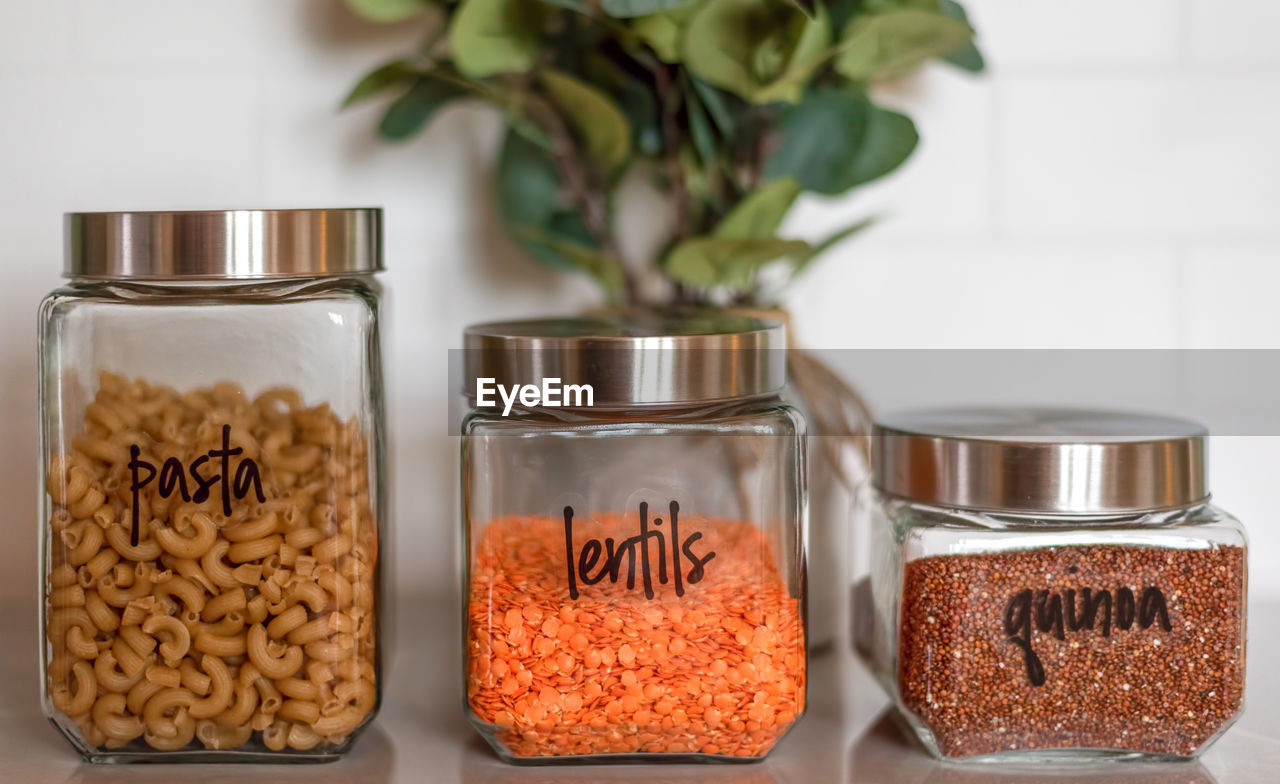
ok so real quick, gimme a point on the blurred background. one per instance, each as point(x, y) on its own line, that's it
point(1111, 182)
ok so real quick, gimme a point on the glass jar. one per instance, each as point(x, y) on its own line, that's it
point(634, 558)
point(1052, 584)
point(212, 485)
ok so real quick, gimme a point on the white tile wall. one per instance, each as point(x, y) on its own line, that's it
point(949, 182)
point(74, 140)
point(1172, 154)
point(232, 34)
point(1080, 33)
point(991, 295)
point(1111, 182)
point(35, 33)
point(249, 38)
point(1234, 287)
point(1238, 32)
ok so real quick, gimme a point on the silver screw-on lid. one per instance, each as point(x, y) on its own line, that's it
point(223, 244)
point(1041, 460)
point(636, 358)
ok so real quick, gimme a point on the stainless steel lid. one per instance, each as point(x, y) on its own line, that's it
point(1041, 460)
point(639, 358)
point(223, 244)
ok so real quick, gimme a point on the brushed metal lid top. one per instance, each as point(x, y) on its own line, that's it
point(636, 358)
point(1041, 460)
point(223, 244)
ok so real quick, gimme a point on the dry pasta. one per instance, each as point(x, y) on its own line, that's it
point(210, 577)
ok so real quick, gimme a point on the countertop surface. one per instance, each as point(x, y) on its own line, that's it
point(420, 736)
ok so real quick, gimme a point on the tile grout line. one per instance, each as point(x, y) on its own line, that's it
point(1183, 36)
point(75, 33)
point(1031, 239)
point(258, 124)
point(1182, 304)
point(995, 168)
point(1178, 66)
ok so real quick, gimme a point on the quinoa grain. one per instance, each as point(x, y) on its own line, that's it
point(973, 642)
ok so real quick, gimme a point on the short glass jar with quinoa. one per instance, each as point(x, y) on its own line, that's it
point(1051, 584)
point(634, 557)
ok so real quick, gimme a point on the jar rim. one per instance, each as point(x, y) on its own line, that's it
point(204, 245)
point(1041, 460)
point(634, 358)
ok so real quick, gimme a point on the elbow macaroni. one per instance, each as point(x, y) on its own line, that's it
point(249, 630)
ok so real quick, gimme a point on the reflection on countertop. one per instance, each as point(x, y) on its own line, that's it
point(884, 755)
point(371, 761)
point(481, 766)
point(422, 736)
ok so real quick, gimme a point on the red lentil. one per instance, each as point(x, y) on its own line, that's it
point(1141, 687)
point(719, 670)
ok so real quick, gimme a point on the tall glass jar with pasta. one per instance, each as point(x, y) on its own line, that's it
point(212, 485)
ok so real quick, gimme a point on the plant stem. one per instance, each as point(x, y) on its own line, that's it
point(671, 148)
point(750, 152)
point(584, 187)
point(439, 27)
point(671, 140)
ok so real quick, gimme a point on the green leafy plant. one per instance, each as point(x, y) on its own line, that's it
point(731, 108)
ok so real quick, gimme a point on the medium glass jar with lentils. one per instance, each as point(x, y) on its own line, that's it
point(634, 555)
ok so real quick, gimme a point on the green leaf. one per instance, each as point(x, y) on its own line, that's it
point(641, 108)
point(829, 242)
point(761, 212)
point(807, 7)
point(696, 180)
point(888, 140)
point(882, 6)
point(532, 210)
point(633, 8)
point(968, 57)
point(663, 32)
point(581, 258)
point(821, 137)
point(396, 73)
point(762, 50)
point(704, 141)
point(581, 6)
point(411, 111)
point(528, 186)
point(387, 11)
point(841, 11)
point(511, 99)
point(489, 37)
point(836, 139)
point(527, 128)
point(706, 262)
point(716, 106)
point(595, 118)
point(882, 46)
point(633, 93)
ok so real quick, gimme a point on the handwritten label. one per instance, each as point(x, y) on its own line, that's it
point(1053, 612)
point(580, 568)
point(173, 478)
